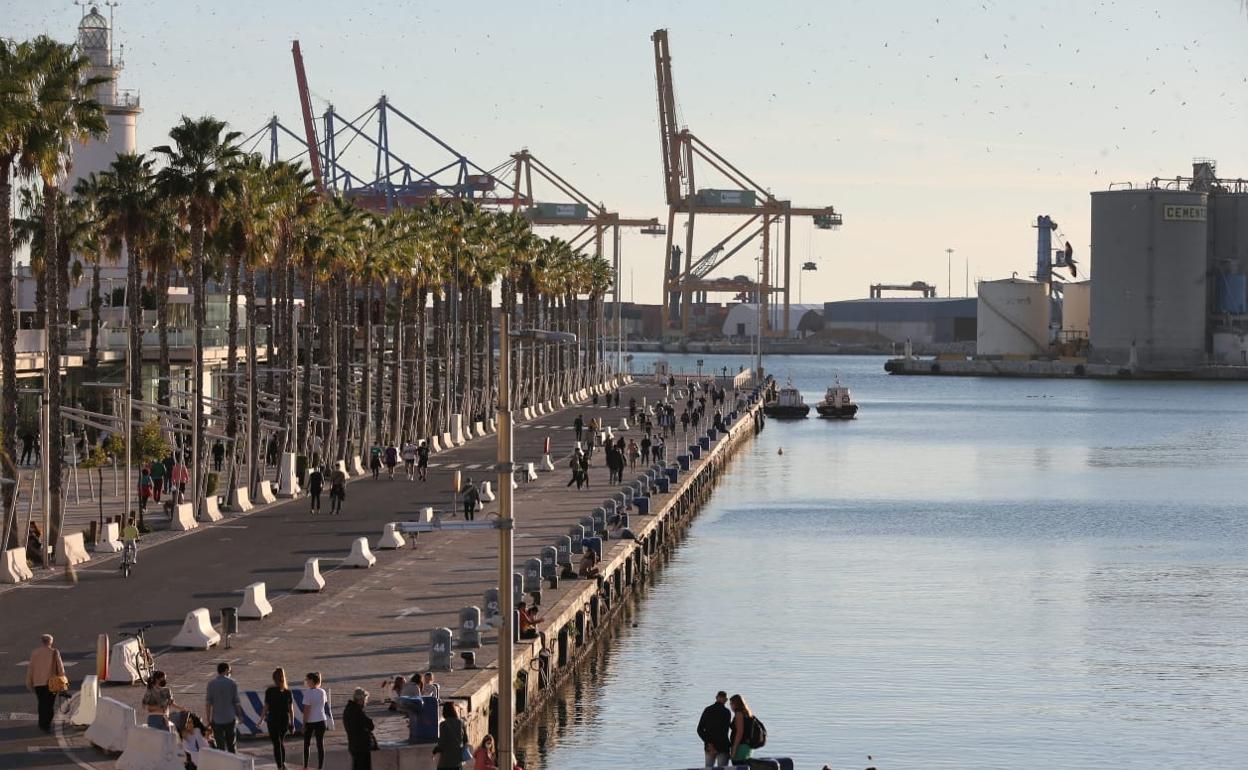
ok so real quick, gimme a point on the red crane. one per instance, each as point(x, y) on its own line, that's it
point(309, 128)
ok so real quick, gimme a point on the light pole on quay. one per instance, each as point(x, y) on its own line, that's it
point(506, 533)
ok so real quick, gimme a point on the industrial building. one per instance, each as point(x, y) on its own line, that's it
point(741, 321)
point(920, 320)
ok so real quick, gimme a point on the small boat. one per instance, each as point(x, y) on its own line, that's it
point(837, 403)
point(787, 403)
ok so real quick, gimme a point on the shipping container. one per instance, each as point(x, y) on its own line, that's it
point(559, 211)
point(713, 198)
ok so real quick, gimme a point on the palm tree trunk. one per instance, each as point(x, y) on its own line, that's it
point(165, 384)
point(305, 386)
point(439, 364)
point(422, 368)
point(379, 407)
point(93, 343)
point(8, 347)
point(52, 444)
point(253, 388)
point(396, 367)
point(231, 355)
point(197, 387)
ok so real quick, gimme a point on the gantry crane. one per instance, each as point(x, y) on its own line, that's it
point(761, 209)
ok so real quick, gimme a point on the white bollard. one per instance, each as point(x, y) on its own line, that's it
point(478, 427)
point(312, 580)
point(623, 423)
point(255, 603)
point(212, 759)
point(74, 550)
point(527, 413)
point(547, 465)
point(487, 491)
point(435, 444)
point(14, 568)
point(457, 429)
point(111, 540)
point(212, 510)
point(197, 632)
point(530, 473)
point(357, 467)
point(289, 485)
point(493, 428)
point(112, 719)
point(265, 492)
point(183, 517)
point(88, 699)
point(360, 556)
point(390, 538)
point(241, 500)
point(151, 749)
point(426, 515)
point(121, 661)
point(610, 435)
point(446, 440)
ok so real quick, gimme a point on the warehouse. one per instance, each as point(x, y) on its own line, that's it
point(921, 320)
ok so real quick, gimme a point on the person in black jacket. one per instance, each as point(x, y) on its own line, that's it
point(713, 730)
point(359, 730)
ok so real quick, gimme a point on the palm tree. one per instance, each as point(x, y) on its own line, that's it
point(197, 179)
point(66, 113)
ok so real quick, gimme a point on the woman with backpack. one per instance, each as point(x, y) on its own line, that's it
point(744, 728)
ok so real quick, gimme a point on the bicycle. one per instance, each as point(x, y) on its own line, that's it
point(129, 557)
point(144, 661)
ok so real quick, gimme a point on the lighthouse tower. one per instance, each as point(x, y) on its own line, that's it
point(121, 107)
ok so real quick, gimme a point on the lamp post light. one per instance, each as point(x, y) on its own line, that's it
point(506, 532)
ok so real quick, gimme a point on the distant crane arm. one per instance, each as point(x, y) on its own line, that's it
point(309, 128)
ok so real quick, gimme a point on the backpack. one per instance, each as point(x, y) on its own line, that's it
point(757, 737)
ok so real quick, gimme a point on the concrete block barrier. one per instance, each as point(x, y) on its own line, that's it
point(13, 569)
point(530, 473)
point(547, 465)
point(197, 632)
point(390, 538)
point(212, 510)
point(312, 580)
point(487, 491)
point(151, 749)
point(478, 427)
point(121, 661)
point(183, 517)
point(643, 505)
point(527, 413)
point(623, 423)
point(457, 429)
point(73, 550)
point(240, 500)
point(88, 701)
point(426, 514)
point(264, 492)
point(446, 440)
point(211, 759)
point(493, 428)
point(255, 603)
point(435, 445)
point(289, 485)
point(110, 542)
point(360, 557)
point(357, 467)
point(108, 729)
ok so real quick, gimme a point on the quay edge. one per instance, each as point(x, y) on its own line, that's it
point(1055, 369)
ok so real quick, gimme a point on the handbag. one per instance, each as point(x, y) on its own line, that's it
point(465, 754)
point(58, 683)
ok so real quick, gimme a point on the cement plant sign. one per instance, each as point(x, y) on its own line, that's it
point(1176, 213)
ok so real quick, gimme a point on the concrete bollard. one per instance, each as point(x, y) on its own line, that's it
point(289, 485)
point(576, 537)
point(88, 700)
point(643, 505)
point(111, 540)
point(390, 537)
point(73, 550)
point(470, 628)
point(265, 492)
point(360, 557)
point(121, 661)
point(673, 474)
point(550, 560)
point(212, 759)
point(435, 444)
point(14, 568)
point(663, 485)
point(255, 604)
point(532, 575)
point(487, 492)
point(530, 473)
point(151, 749)
point(457, 429)
point(563, 546)
point(197, 632)
point(493, 428)
point(446, 440)
point(240, 501)
point(547, 465)
point(108, 729)
point(212, 510)
point(623, 423)
point(183, 518)
point(426, 514)
point(479, 428)
point(493, 616)
point(439, 649)
point(312, 580)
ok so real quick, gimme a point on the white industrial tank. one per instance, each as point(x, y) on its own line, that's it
point(1076, 309)
point(1149, 252)
point(1013, 318)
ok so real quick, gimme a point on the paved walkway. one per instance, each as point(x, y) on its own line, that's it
point(366, 626)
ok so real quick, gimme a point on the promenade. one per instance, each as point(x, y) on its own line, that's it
point(365, 627)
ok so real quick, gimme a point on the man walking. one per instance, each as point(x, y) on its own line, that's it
point(222, 709)
point(45, 663)
point(579, 425)
point(422, 460)
point(713, 730)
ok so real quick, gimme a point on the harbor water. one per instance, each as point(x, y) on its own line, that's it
point(975, 573)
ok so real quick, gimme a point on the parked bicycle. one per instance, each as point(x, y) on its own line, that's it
point(144, 661)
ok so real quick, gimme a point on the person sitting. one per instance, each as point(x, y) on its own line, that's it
point(589, 564)
point(528, 621)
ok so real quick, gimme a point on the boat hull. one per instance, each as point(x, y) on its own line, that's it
point(786, 412)
point(837, 412)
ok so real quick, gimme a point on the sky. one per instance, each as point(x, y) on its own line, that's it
point(929, 125)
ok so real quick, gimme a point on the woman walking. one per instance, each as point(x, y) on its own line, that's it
point(742, 721)
point(314, 718)
point(359, 731)
point(452, 739)
point(158, 700)
point(337, 490)
point(316, 483)
point(279, 713)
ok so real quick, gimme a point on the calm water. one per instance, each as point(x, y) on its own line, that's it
point(974, 574)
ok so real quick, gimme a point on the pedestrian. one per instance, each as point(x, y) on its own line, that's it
point(634, 452)
point(158, 480)
point(409, 460)
point(316, 482)
point(130, 540)
point(194, 736)
point(472, 498)
point(222, 709)
point(645, 448)
point(584, 471)
point(428, 687)
point(28, 447)
point(314, 718)
point(575, 465)
point(337, 490)
point(579, 426)
point(742, 723)
point(218, 455)
point(374, 462)
point(452, 739)
point(34, 544)
point(45, 677)
point(713, 730)
point(145, 487)
point(422, 460)
point(279, 714)
point(632, 407)
point(178, 478)
point(391, 460)
point(359, 729)
point(158, 701)
point(483, 757)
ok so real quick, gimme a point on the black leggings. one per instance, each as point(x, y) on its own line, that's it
point(276, 734)
point(317, 729)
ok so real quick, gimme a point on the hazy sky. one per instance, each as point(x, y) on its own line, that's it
point(930, 125)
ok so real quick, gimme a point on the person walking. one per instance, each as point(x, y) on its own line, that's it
point(337, 490)
point(634, 452)
point(193, 739)
point(645, 448)
point(409, 460)
point(584, 471)
point(222, 709)
point(742, 722)
point(218, 455)
point(579, 426)
point(471, 499)
point(452, 739)
point(158, 480)
point(28, 447)
point(422, 460)
point(316, 482)
point(632, 407)
point(575, 465)
point(34, 544)
point(158, 700)
point(359, 729)
point(374, 462)
point(391, 460)
point(145, 487)
point(713, 729)
point(45, 677)
point(314, 717)
point(279, 714)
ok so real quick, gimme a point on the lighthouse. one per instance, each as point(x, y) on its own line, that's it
point(121, 107)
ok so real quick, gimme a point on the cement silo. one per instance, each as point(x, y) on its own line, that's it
point(1149, 254)
point(1013, 318)
point(1076, 309)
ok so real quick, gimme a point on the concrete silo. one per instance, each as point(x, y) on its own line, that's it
point(1012, 318)
point(1076, 309)
point(1149, 254)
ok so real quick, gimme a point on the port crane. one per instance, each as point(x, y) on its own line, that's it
point(760, 210)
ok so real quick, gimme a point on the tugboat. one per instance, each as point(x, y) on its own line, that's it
point(837, 404)
point(788, 403)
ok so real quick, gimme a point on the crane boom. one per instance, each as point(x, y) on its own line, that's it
point(309, 129)
point(668, 133)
